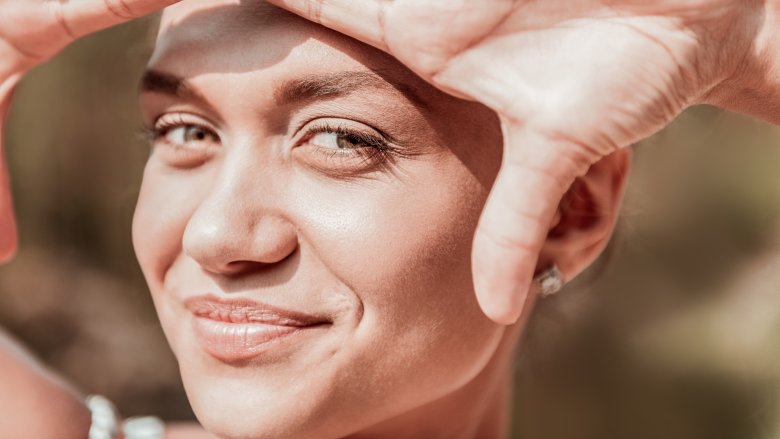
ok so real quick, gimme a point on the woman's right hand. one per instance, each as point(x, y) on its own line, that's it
point(34, 403)
point(31, 32)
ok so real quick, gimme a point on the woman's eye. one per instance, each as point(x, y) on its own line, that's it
point(338, 141)
point(346, 149)
point(188, 133)
point(183, 144)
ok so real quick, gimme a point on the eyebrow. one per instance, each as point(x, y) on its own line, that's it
point(341, 84)
point(299, 90)
point(161, 82)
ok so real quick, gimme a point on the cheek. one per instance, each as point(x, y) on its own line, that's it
point(165, 204)
point(404, 248)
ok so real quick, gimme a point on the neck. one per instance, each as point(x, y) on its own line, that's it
point(478, 410)
point(481, 409)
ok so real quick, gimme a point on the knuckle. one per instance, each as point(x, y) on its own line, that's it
point(58, 13)
point(119, 8)
point(314, 10)
point(496, 237)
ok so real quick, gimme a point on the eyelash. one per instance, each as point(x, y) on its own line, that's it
point(377, 149)
point(168, 122)
point(374, 151)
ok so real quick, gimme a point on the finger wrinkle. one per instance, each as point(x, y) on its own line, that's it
point(314, 10)
point(481, 38)
point(59, 16)
point(27, 56)
point(119, 8)
point(560, 176)
point(515, 245)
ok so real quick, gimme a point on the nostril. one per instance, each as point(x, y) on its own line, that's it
point(248, 266)
point(240, 268)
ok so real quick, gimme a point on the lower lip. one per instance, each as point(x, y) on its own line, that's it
point(231, 342)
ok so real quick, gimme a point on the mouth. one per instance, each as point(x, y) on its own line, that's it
point(233, 330)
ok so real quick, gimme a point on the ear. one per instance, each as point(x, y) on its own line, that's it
point(586, 216)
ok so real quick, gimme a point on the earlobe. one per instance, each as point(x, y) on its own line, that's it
point(586, 216)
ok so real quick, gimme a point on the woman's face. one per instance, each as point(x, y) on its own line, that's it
point(305, 224)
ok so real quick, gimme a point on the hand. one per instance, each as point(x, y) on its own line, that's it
point(572, 81)
point(31, 32)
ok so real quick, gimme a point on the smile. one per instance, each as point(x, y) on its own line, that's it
point(233, 330)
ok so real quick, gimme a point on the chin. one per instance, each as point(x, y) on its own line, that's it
point(236, 402)
point(233, 409)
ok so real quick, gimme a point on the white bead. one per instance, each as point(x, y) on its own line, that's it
point(550, 281)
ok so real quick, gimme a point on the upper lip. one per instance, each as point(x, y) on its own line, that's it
point(242, 310)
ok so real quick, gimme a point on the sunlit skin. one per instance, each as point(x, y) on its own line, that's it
point(572, 82)
point(464, 395)
point(664, 63)
point(295, 166)
point(34, 402)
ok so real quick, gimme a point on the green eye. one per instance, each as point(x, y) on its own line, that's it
point(337, 141)
point(184, 134)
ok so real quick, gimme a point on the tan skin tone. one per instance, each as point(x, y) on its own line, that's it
point(38, 404)
point(572, 82)
point(714, 51)
point(260, 200)
point(740, 32)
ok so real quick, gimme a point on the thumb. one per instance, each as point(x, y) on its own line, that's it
point(8, 238)
point(535, 174)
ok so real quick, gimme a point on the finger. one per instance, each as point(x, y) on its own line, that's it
point(81, 17)
point(535, 174)
point(8, 239)
point(362, 20)
point(8, 235)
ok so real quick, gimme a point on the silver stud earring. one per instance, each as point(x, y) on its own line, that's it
point(549, 281)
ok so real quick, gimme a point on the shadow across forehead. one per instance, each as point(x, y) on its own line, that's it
point(233, 37)
point(249, 35)
point(203, 37)
point(200, 37)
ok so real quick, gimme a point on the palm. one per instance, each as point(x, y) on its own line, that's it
point(572, 82)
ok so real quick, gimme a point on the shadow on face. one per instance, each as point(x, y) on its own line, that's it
point(232, 37)
point(305, 224)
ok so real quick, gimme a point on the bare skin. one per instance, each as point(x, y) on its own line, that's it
point(572, 82)
point(31, 32)
point(264, 186)
point(671, 54)
point(37, 394)
point(417, 409)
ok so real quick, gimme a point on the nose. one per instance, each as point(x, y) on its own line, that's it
point(239, 227)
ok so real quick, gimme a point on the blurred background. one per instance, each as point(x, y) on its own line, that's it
point(674, 334)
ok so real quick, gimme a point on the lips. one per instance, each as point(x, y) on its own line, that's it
point(239, 329)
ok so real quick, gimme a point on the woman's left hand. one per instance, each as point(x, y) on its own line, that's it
point(34, 403)
point(572, 81)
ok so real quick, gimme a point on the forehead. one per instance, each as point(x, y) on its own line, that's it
point(237, 36)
